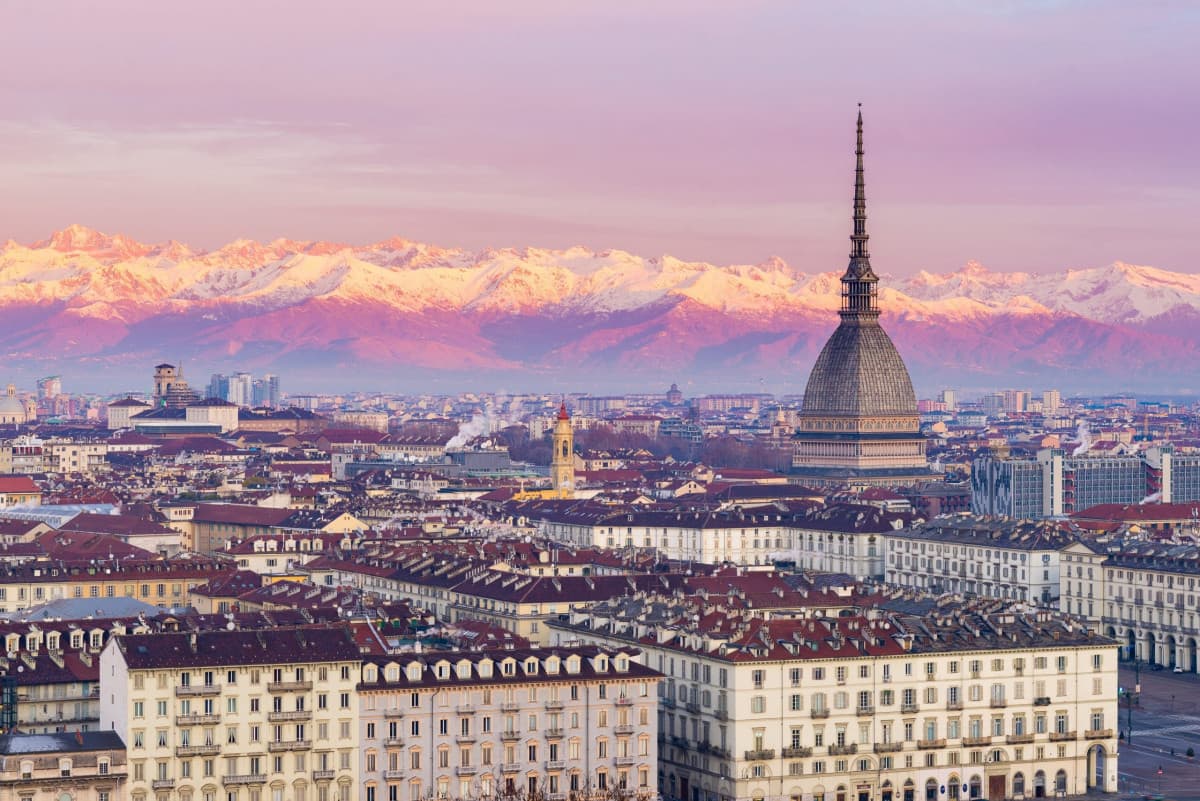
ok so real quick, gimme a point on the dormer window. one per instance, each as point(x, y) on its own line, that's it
point(573, 664)
point(26, 770)
point(484, 668)
point(392, 672)
point(464, 669)
point(531, 667)
point(622, 663)
point(414, 671)
point(508, 667)
point(553, 664)
point(602, 664)
point(443, 670)
point(370, 673)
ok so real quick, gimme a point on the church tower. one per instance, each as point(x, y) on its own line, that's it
point(859, 424)
point(562, 463)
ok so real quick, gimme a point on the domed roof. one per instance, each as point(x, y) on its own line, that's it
point(859, 374)
point(10, 406)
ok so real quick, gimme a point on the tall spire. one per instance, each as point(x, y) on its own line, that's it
point(858, 283)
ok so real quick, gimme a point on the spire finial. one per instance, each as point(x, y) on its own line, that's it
point(858, 284)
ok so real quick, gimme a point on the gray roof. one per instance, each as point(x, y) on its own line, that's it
point(13, 744)
point(82, 608)
point(859, 374)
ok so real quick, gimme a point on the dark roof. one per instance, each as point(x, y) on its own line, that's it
point(13, 744)
point(262, 647)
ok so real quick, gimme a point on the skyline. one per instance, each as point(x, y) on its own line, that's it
point(1027, 137)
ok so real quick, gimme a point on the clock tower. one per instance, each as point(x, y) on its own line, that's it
point(562, 463)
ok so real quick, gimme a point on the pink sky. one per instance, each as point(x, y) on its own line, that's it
point(1026, 135)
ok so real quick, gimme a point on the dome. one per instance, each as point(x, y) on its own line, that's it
point(11, 407)
point(859, 374)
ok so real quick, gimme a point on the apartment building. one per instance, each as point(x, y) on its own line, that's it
point(83, 766)
point(880, 705)
point(519, 723)
point(236, 715)
point(1012, 559)
point(845, 538)
point(162, 582)
point(733, 535)
point(1142, 594)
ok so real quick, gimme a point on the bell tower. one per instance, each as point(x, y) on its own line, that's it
point(562, 463)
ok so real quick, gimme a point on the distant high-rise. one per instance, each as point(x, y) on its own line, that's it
point(1051, 401)
point(859, 422)
point(218, 386)
point(49, 388)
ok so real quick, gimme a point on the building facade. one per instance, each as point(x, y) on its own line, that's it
point(236, 715)
point(540, 723)
point(875, 708)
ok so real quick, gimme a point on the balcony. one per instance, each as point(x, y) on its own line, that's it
point(888, 748)
point(680, 742)
point(465, 709)
point(929, 744)
point(818, 713)
point(762, 753)
point(390, 774)
point(289, 745)
point(703, 746)
point(723, 753)
point(197, 720)
point(162, 784)
point(1042, 700)
point(624, 700)
point(197, 750)
point(1097, 734)
point(392, 714)
point(998, 703)
point(843, 750)
point(326, 775)
point(510, 706)
point(245, 778)
point(284, 717)
point(556, 764)
point(554, 703)
point(510, 767)
point(393, 742)
point(554, 734)
point(1061, 736)
point(623, 761)
point(797, 753)
point(193, 690)
point(669, 703)
point(1018, 739)
point(865, 710)
point(288, 686)
point(510, 735)
point(624, 728)
point(693, 707)
point(465, 739)
point(970, 742)
point(954, 706)
point(721, 714)
point(466, 770)
point(909, 707)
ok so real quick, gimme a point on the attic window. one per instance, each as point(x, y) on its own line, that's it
point(414, 671)
point(508, 667)
point(484, 668)
point(602, 664)
point(370, 673)
point(392, 672)
point(552, 665)
point(464, 669)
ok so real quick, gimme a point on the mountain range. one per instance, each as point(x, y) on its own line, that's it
point(399, 314)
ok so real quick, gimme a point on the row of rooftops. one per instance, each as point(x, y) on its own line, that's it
point(867, 626)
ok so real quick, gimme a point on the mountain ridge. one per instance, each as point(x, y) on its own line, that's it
point(82, 296)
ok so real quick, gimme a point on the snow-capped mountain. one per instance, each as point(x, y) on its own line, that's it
point(396, 306)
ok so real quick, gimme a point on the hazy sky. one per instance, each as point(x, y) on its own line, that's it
point(1026, 135)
